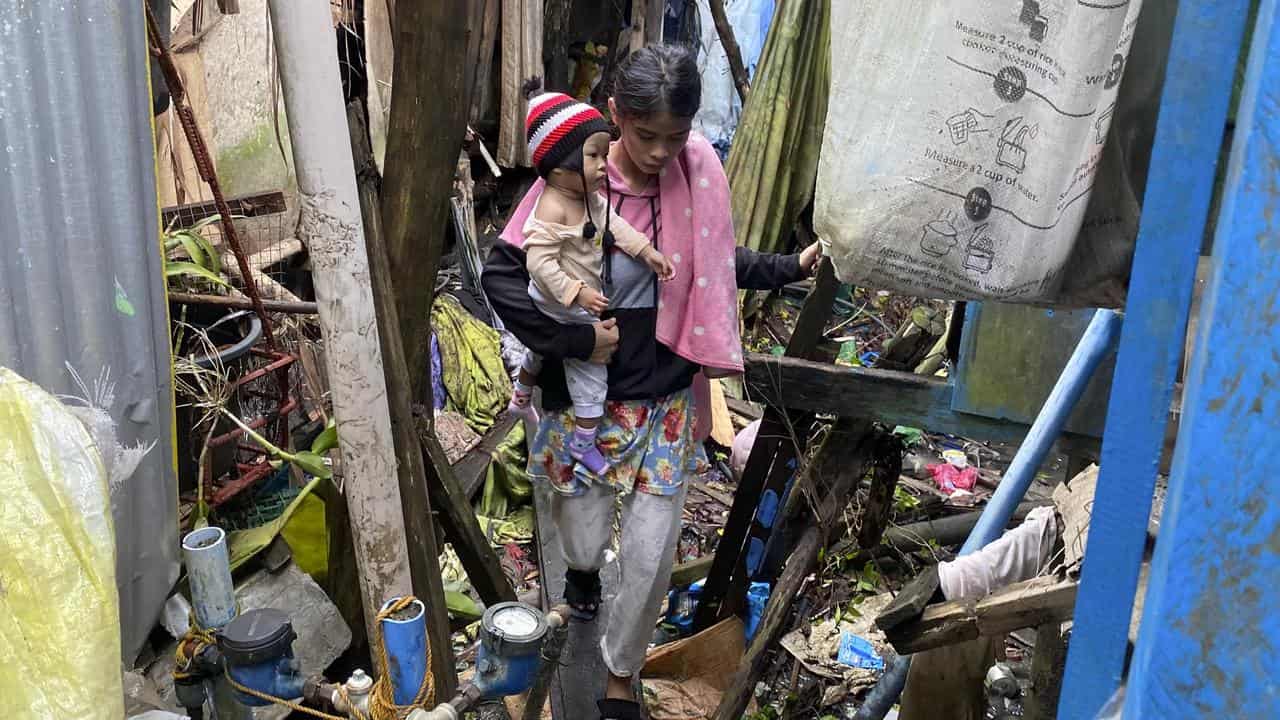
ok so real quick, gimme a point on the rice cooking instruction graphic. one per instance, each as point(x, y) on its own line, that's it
point(989, 130)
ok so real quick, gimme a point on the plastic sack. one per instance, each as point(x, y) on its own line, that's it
point(990, 150)
point(59, 616)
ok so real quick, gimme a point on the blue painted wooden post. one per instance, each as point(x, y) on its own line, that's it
point(1209, 644)
point(1206, 46)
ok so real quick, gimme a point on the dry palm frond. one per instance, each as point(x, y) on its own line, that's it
point(206, 389)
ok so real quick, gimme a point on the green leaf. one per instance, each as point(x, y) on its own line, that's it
point(122, 302)
point(910, 436)
point(326, 440)
point(462, 605)
point(192, 246)
point(310, 463)
point(178, 269)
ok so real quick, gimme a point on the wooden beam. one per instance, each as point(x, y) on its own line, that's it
point(254, 205)
point(639, 14)
point(555, 43)
point(884, 479)
point(458, 518)
point(888, 396)
point(424, 554)
point(689, 572)
point(654, 21)
point(473, 467)
point(730, 42)
point(299, 307)
point(1021, 605)
point(482, 84)
point(766, 467)
point(427, 125)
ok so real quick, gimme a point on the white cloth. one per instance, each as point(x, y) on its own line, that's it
point(1017, 555)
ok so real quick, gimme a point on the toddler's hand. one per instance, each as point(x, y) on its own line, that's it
point(592, 300)
point(659, 264)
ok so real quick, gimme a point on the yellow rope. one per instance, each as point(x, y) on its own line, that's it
point(296, 707)
point(381, 699)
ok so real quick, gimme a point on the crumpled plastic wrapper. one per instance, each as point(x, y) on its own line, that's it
point(818, 650)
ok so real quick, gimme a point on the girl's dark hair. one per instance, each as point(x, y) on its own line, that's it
point(658, 78)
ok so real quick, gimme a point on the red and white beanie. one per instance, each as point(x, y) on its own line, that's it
point(558, 125)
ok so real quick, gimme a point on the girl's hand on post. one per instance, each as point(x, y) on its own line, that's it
point(809, 258)
point(606, 341)
point(592, 300)
point(659, 264)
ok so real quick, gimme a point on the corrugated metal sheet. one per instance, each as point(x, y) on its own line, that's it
point(80, 268)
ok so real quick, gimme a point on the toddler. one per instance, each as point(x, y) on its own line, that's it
point(565, 249)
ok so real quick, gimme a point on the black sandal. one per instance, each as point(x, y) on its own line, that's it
point(611, 709)
point(582, 593)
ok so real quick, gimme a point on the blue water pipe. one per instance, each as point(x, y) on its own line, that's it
point(1098, 341)
point(405, 639)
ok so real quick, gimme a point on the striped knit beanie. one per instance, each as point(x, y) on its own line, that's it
point(558, 125)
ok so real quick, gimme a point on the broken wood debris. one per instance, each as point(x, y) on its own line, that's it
point(1027, 604)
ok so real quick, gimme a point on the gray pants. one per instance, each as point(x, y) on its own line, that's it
point(650, 531)
point(588, 382)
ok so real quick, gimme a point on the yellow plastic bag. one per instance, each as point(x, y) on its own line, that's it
point(59, 619)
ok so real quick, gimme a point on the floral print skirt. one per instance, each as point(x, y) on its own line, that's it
point(649, 445)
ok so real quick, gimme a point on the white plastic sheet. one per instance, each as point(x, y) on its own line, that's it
point(721, 108)
point(966, 152)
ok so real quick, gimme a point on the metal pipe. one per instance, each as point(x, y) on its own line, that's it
point(1099, 339)
point(213, 597)
point(558, 622)
point(405, 637)
point(209, 570)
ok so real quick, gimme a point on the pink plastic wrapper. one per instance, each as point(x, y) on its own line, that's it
point(951, 478)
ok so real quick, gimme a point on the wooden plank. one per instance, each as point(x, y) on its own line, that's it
point(639, 15)
point(689, 572)
point(718, 495)
point(473, 467)
point(555, 38)
point(424, 135)
point(424, 554)
point(511, 137)
point(458, 519)
point(299, 307)
point(890, 397)
point(251, 205)
point(766, 466)
point(843, 457)
point(911, 601)
point(482, 90)
point(884, 479)
point(748, 410)
point(1026, 604)
point(1048, 661)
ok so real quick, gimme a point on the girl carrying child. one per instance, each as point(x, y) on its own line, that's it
point(656, 340)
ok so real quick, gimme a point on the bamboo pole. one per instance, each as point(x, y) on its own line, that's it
point(332, 228)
